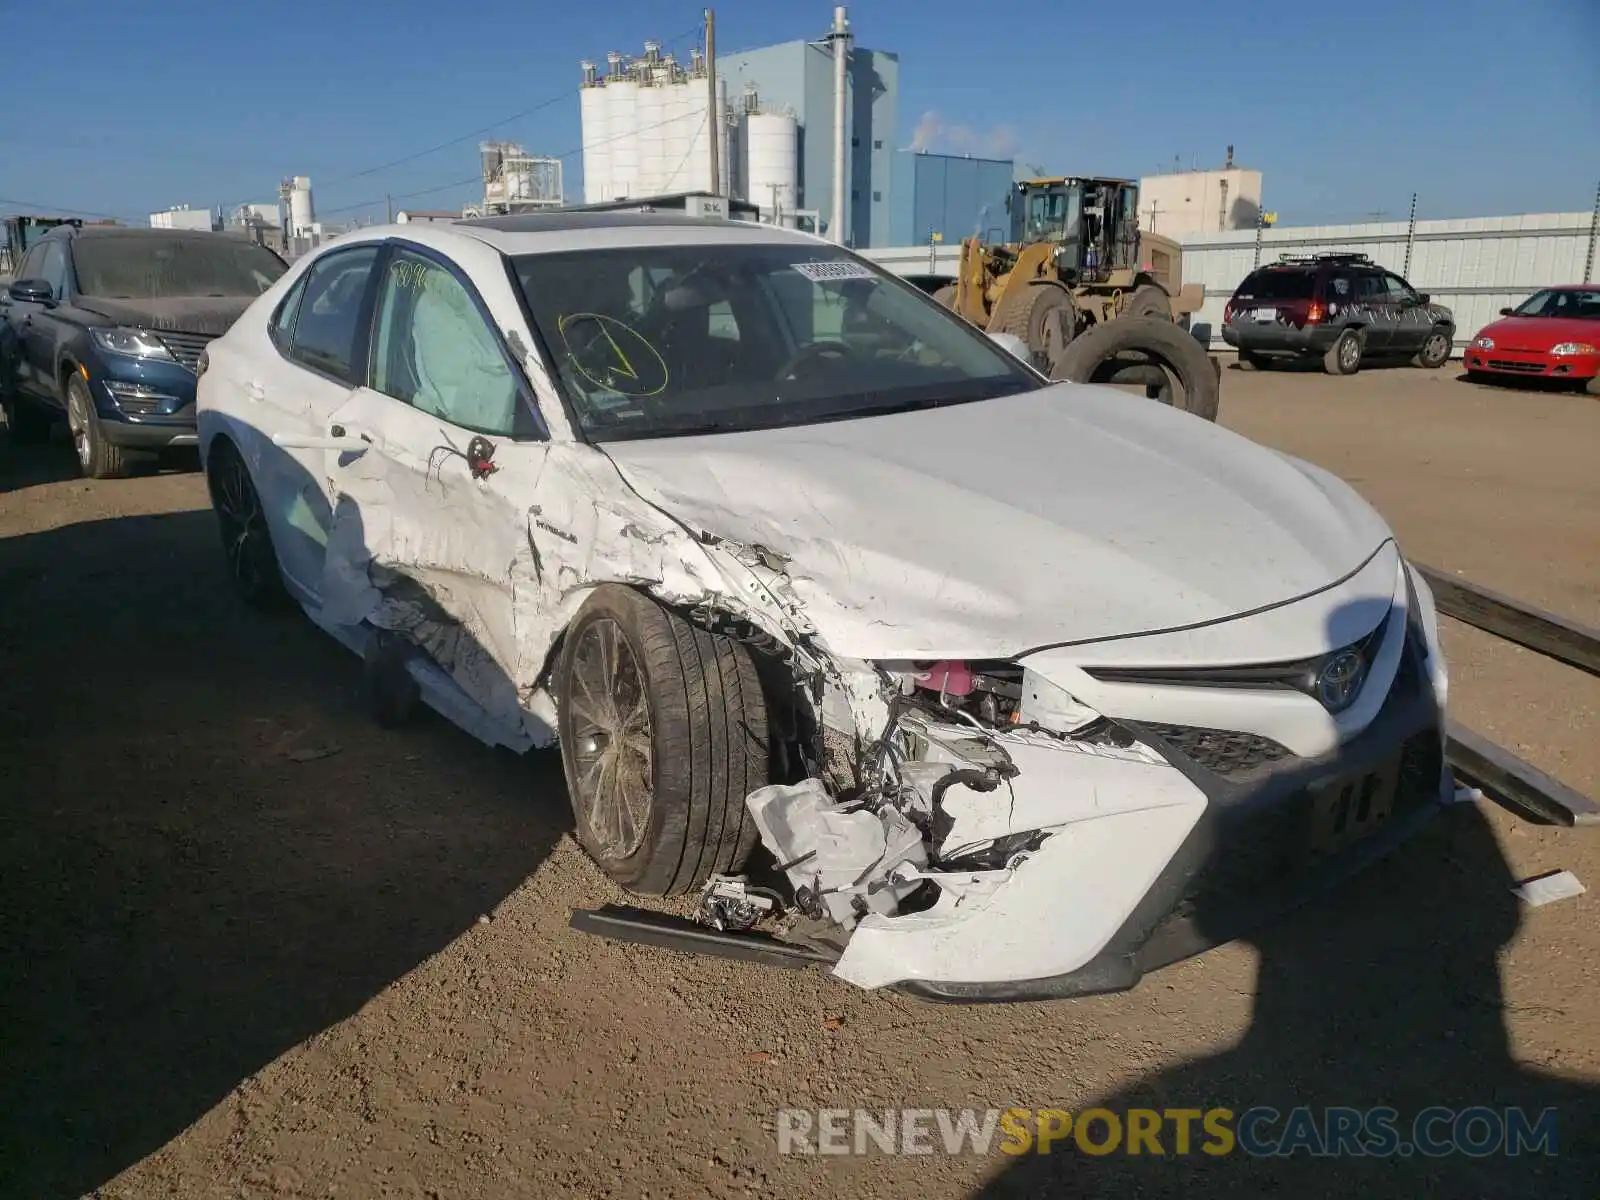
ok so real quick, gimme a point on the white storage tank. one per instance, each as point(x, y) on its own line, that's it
point(593, 122)
point(772, 165)
point(652, 143)
point(697, 128)
point(301, 214)
point(622, 101)
point(675, 143)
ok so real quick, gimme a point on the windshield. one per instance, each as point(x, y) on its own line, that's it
point(161, 268)
point(663, 340)
point(1580, 303)
point(1053, 214)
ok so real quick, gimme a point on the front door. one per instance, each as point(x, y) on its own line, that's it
point(1376, 309)
point(427, 528)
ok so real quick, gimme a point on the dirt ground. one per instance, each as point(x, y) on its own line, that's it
point(255, 946)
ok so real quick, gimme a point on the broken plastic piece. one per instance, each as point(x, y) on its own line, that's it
point(837, 856)
point(1547, 889)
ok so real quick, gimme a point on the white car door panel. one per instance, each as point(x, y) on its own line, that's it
point(421, 544)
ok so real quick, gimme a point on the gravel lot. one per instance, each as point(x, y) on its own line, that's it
point(255, 945)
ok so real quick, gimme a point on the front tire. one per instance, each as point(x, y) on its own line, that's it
point(1344, 356)
point(97, 457)
point(1435, 351)
point(663, 734)
point(1148, 301)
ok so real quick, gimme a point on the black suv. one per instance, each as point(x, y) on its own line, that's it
point(104, 326)
point(1342, 308)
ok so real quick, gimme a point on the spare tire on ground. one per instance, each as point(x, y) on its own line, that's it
point(1172, 366)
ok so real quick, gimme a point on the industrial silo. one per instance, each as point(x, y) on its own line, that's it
point(772, 165)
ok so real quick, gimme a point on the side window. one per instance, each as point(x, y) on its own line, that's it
point(1399, 289)
point(433, 349)
point(283, 323)
point(325, 326)
point(722, 323)
point(1370, 288)
point(53, 270)
point(1341, 288)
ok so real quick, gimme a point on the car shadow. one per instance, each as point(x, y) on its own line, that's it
point(1539, 384)
point(209, 851)
point(23, 466)
point(1383, 992)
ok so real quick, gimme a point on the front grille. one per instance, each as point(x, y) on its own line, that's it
point(1506, 364)
point(185, 347)
point(1258, 846)
point(1225, 752)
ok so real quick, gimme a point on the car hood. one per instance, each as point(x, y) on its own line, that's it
point(1066, 514)
point(1540, 333)
point(212, 315)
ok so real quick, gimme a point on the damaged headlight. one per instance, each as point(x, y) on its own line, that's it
point(997, 694)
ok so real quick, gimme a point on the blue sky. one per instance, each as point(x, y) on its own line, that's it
point(1482, 108)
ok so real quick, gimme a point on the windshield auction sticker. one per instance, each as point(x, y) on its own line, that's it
point(827, 272)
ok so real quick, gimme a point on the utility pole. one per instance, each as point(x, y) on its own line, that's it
point(388, 204)
point(840, 38)
point(1594, 234)
point(714, 120)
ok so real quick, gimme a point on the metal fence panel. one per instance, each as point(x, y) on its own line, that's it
point(1475, 265)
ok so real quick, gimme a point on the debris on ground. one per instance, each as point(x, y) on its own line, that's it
point(1547, 889)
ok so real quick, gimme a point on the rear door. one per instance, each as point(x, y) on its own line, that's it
point(312, 361)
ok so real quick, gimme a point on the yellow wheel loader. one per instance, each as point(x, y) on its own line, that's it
point(1076, 259)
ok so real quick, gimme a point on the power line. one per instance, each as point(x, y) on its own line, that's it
point(549, 101)
point(40, 207)
point(565, 154)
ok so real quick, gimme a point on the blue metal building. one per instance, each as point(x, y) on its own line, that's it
point(799, 76)
point(948, 197)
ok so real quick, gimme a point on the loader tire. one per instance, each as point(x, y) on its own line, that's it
point(1129, 346)
point(682, 716)
point(1148, 301)
point(946, 295)
point(1043, 316)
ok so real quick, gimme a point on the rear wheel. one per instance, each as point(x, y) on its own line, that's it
point(246, 540)
point(663, 734)
point(1148, 301)
point(1344, 356)
point(98, 458)
point(1435, 351)
point(1169, 363)
point(946, 295)
point(1593, 386)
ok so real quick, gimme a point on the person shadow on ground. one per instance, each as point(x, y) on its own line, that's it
point(1386, 993)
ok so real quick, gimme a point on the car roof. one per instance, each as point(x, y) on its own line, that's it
point(534, 233)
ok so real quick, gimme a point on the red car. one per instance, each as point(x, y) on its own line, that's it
point(1553, 334)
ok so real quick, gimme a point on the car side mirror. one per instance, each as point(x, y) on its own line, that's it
point(1424, 298)
point(1508, 312)
point(31, 291)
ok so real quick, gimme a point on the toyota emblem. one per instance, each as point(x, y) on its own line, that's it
point(1340, 680)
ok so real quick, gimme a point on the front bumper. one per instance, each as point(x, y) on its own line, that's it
point(1257, 337)
point(1531, 364)
point(143, 404)
point(1248, 857)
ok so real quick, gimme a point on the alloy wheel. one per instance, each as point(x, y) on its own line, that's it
point(611, 739)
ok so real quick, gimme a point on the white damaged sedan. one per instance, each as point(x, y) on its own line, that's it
point(909, 661)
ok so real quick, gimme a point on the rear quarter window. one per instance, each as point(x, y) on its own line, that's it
point(1277, 284)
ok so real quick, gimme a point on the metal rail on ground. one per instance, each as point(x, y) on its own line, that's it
point(1508, 780)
